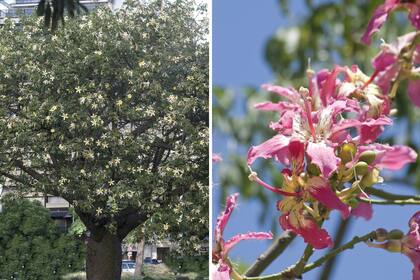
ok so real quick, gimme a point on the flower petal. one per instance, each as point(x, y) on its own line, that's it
point(223, 218)
point(378, 18)
point(414, 14)
point(297, 155)
point(279, 106)
point(320, 189)
point(276, 147)
point(245, 236)
point(363, 210)
point(390, 157)
point(324, 157)
point(288, 93)
point(216, 158)
point(414, 225)
point(414, 92)
point(220, 271)
point(309, 230)
point(371, 129)
point(329, 85)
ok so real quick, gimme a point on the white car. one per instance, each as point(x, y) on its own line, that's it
point(128, 266)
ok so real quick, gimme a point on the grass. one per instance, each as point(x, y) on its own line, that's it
point(152, 272)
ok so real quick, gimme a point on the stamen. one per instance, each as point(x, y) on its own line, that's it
point(370, 79)
point(254, 177)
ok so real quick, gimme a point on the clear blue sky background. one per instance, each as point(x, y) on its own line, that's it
point(240, 30)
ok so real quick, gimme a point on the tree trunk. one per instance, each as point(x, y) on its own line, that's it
point(103, 260)
point(139, 259)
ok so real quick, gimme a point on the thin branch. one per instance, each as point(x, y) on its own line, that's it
point(266, 258)
point(320, 261)
point(389, 196)
point(400, 202)
point(333, 253)
point(338, 240)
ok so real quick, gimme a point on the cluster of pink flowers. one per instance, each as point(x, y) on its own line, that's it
point(326, 140)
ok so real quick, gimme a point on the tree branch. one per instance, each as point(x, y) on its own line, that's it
point(338, 240)
point(320, 261)
point(266, 258)
point(333, 253)
point(389, 196)
point(400, 202)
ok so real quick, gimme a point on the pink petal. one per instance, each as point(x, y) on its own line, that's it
point(390, 157)
point(328, 88)
point(383, 60)
point(411, 244)
point(288, 93)
point(220, 271)
point(378, 18)
point(280, 106)
point(372, 128)
point(414, 92)
point(414, 15)
point(216, 158)
point(324, 157)
point(223, 218)
point(276, 147)
point(297, 154)
point(414, 225)
point(363, 210)
point(309, 230)
point(245, 236)
point(320, 189)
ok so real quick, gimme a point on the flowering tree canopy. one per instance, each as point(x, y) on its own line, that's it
point(115, 122)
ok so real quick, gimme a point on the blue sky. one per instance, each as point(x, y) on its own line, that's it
point(240, 30)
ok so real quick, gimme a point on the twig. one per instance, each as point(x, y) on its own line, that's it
point(333, 253)
point(320, 261)
point(389, 196)
point(390, 202)
point(338, 240)
point(266, 258)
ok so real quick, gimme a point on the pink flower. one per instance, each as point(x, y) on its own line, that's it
point(382, 12)
point(411, 244)
point(216, 158)
point(388, 66)
point(222, 270)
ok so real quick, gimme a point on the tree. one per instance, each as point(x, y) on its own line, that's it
point(115, 122)
point(31, 245)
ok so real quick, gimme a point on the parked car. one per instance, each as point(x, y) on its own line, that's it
point(149, 260)
point(128, 266)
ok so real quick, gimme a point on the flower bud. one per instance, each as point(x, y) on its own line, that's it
point(393, 246)
point(347, 152)
point(313, 169)
point(353, 202)
point(361, 168)
point(395, 234)
point(381, 234)
point(368, 157)
point(370, 179)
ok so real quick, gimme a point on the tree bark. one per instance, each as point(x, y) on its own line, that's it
point(139, 259)
point(103, 260)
